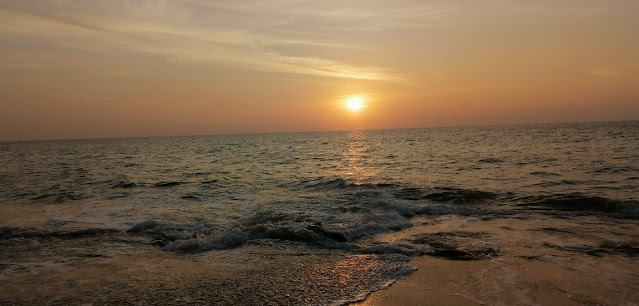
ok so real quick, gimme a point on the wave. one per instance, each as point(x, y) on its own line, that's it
point(442, 209)
point(191, 197)
point(122, 181)
point(401, 191)
point(144, 226)
point(446, 194)
point(372, 224)
point(408, 201)
point(270, 225)
point(322, 184)
point(458, 245)
point(615, 170)
point(402, 248)
point(377, 215)
point(380, 200)
point(18, 232)
point(264, 225)
point(558, 183)
point(296, 227)
point(460, 196)
point(124, 184)
point(580, 202)
point(490, 160)
point(166, 184)
point(166, 233)
point(629, 249)
point(61, 197)
point(543, 173)
point(498, 202)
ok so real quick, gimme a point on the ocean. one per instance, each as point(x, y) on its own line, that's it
point(318, 217)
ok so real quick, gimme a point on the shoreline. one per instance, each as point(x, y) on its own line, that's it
point(503, 281)
point(535, 266)
point(108, 266)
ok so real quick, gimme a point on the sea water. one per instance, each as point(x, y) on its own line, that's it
point(334, 192)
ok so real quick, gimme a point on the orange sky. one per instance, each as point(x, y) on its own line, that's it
point(83, 69)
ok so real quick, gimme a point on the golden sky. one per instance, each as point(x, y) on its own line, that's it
point(83, 69)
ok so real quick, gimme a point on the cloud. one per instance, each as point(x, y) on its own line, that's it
point(244, 35)
point(607, 71)
point(321, 38)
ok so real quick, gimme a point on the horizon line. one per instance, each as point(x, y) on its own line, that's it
point(320, 131)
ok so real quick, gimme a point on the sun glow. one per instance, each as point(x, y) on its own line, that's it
point(354, 103)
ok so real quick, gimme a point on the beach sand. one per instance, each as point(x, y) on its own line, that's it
point(498, 282)
point(531, 268)
point(535, 260)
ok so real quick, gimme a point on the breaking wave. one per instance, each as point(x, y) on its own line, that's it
point(18, 232)
point(323, 184)
point(266, 225)
point(580, 202)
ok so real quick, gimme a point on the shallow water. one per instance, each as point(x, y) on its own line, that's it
point(359, 193)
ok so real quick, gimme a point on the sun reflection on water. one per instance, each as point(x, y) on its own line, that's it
point(357, 157)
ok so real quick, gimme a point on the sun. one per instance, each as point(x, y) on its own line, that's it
point(354, 103)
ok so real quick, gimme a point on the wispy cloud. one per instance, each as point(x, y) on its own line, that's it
point(608, 71)
point(296, 37)
point(245, 35)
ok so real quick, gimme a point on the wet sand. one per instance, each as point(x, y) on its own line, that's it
point(115, 268)
point(500, 282)
point(530, 269)
point(522, 259)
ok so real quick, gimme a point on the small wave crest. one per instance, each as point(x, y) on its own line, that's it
point(545, 174)
point(322, 184)
point(295, 227)
point(265, 225)
point(580, 202)
point(166, 184)
point(490, 160)
point(61, 197)
point(446, 195)
point(124, 184)
point(19, 232)
point(164, 234)
point(458, 245)
point(615, 170)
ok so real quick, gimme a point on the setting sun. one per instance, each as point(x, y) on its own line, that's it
point(316, 152)
point(354, 103)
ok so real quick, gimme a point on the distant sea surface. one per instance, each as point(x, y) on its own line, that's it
point(323, 190)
